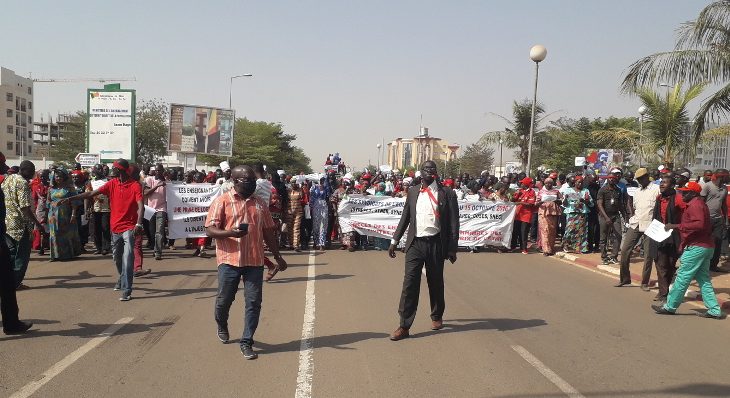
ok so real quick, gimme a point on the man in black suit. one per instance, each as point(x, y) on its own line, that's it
point(431, 214)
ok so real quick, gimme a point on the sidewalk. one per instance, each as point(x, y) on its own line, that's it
point(721, 282)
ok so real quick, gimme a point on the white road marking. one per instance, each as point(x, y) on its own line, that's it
point(61, 365)
point(306, 350)
point(549, 374)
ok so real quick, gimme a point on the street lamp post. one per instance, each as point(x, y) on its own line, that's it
point(501, 166)
point(642, 111)
point(379, 162)
point(230, 88)
point(537, 54)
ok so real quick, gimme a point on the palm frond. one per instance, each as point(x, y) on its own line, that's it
point(710, 27)
point(693, 66)
point(712, 109)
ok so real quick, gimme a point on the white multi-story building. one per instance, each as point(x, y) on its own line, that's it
point(16, 115)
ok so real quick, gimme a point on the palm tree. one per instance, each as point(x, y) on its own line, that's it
point(517, 135)
point(665, 132)
point(701, 54)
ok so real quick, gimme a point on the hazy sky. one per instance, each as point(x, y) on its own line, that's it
point(343, 75)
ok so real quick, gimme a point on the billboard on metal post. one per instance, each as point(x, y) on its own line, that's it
point(200, 129)
point(110, 124)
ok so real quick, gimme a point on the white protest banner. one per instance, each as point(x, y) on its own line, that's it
point(486, 223)
point(187, 208)
point(481, 222)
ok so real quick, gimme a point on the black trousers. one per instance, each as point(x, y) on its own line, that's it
point(520, 231)
point(718, 233)
point(594, 231)
point(8, 301)
point(666, 268)
point(102, 232)
point(422, 251)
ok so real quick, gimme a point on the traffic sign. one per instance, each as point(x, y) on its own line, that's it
point(87, 159)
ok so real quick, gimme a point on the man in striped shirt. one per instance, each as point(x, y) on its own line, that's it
point(240, 223)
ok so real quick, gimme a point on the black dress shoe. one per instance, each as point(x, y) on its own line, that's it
point(706, 315)
point(20, 328)
point(659, 309)
point(223, 334)
point(719, 270)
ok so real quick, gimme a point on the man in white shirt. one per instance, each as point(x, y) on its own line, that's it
point(431, 215)
point(642, 212)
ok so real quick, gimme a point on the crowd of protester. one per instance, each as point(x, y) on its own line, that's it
point(57, 212)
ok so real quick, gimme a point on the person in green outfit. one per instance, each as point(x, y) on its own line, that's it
point(697, 246)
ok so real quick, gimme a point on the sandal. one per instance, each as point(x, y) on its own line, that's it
point(271, 274)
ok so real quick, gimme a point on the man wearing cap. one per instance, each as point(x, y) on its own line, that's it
point(8, 299)
point(225, 182)
point(696, 246)
point(431, 215)
point(714, 193)
point(127, 211)
point(642, 211)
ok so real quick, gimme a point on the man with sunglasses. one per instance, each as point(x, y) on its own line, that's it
point(431, 215)
point(240, 222)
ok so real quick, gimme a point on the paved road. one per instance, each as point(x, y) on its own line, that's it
point(516, 326)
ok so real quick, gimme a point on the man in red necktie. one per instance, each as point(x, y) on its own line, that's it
point(431, 215)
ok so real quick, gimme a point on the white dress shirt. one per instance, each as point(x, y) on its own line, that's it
point(427, 224)
point(644, 201)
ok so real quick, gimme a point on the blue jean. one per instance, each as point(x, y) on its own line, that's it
point(228, 278)
point(123, 253)
point(19, 256)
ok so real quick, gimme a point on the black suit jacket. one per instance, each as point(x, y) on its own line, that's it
point(448, 207)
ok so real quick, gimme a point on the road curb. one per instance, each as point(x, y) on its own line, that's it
point(725, 305)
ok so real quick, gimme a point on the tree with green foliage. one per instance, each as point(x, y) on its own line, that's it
point(517, 132)
point(448, 169)
point(665, 132)
point(476, 158)
point(569, 138)
point(152, 130)
point(700, 55)
point(257, 142)
point(73, 140)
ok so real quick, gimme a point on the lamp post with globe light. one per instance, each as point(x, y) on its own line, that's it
point(537, 55)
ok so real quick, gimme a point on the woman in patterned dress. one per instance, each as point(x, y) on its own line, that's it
point(63, 230)
point(548, 211)
point(577, 203)
point(295, 215)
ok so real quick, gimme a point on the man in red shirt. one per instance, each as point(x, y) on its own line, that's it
point(127, 210)
point(697, 247)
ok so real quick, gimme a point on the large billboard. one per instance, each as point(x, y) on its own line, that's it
point(110, 127)
point(602, 160)
point(200, 129)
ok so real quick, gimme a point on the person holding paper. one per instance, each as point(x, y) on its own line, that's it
point(525, 199)
point(610, 201)
point(548, 211)
point(697, 246)
point(577, 202)
point(668, 210)
point(641, 210)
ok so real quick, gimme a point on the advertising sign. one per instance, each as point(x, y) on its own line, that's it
point(602, 160)
point(199, 129)
point(110, 124)
point(88, 159)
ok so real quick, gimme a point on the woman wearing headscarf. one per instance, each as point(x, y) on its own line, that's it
point(39, 194)
point(294, 215)
point(500, 193)
point(525, 199)
point(318, 197)
point(577, 204)
point(64, 239)
point(338, 196)
point(548, 211)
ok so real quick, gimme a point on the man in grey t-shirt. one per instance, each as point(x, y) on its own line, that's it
point(714, 193)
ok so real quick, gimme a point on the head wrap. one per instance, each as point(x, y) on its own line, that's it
point(526, 181)
point(578, 178)
point(121, 168)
